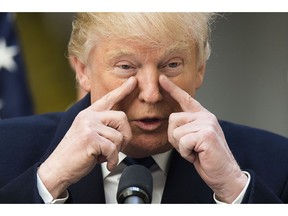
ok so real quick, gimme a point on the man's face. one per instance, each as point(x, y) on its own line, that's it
point(148, 107)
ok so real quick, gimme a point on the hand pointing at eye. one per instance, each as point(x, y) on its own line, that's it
point(196, 134)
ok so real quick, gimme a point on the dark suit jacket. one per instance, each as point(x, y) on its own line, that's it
point(25, 142)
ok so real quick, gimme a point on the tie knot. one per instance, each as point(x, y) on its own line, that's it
point(146, 161)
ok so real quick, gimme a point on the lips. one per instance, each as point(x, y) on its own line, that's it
point(149, 124)
point(150, 120)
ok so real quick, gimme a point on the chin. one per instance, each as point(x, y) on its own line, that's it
point(145, 146)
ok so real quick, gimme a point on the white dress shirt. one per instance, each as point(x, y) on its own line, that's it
point(111, 179)
point(158, 170)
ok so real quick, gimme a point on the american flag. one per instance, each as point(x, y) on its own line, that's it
point(15, 98)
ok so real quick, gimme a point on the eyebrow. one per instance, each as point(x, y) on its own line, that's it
point(116, 54)
point(175, 48)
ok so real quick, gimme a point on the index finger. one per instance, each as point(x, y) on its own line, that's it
point(114, 96)
point(186, 101)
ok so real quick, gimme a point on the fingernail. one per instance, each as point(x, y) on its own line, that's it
point(130, 81)
point(163, 77)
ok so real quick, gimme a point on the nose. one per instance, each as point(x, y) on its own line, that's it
point(149, 87)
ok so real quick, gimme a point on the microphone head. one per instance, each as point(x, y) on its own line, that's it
point(136, 180)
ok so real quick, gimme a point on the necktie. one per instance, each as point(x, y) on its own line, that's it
point(146, 161)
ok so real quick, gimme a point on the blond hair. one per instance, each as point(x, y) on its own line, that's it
point(153, 29)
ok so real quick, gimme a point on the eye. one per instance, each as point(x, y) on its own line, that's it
point(173, 67)
point(124, 69)
point(174, 64)
point(124, 66)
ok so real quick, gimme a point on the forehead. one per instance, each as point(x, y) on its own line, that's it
point(116, 48)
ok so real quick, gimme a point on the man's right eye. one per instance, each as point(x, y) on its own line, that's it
point(125, 67)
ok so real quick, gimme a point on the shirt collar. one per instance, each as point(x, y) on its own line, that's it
point(162, 160)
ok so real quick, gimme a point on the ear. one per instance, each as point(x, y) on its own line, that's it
point(82, 73)
point(200, 75)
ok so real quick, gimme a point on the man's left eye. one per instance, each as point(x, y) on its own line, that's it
point(173, 64)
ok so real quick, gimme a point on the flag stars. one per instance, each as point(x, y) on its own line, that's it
point(7, 56)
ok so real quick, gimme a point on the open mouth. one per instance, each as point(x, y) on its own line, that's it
point(150, 120)
point(149, 124)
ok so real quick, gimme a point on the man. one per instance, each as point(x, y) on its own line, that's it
point(142, 71)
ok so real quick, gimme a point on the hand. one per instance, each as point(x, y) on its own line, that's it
point(96, 135)
point(196, 134)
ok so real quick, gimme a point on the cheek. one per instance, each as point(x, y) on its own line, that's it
point(187, 83)
point(127, 104)
point(101, 86)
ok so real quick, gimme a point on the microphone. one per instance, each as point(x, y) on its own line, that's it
point(135, 186)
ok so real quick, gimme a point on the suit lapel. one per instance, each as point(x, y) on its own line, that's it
point(184, 185)
point(89, 189)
